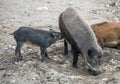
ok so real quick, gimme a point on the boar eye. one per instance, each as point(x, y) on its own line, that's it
point(91, 52)
point(99, 56)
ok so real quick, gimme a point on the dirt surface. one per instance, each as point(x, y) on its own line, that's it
point(43, 14)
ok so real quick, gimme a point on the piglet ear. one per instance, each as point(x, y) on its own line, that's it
point(52, 33)
point(51, 30)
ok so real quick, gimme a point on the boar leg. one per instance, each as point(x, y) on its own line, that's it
point(65, 47)
point(75, 56)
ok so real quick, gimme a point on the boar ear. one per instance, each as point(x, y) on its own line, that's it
point(101, 45)
point(91, 52)
point(94, 31)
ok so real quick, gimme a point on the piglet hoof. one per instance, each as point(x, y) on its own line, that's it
point(42, 60)
point(66, 55)
point(74, 66)
point(46, 55)
point(18, 59)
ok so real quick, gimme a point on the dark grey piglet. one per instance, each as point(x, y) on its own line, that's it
point(41, 38)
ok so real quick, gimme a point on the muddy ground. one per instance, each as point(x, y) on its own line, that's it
point(43, 14)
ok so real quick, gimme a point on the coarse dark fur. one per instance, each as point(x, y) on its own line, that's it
point(82, 39)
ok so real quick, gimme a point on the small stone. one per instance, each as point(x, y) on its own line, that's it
point(13, 47)
point(115, 19)
point(30, 49)
point(112, 61)
point(48, 1)
point(29, 62)
point(64, 65)
point(12, 81)
point(107, 6)
point(34, 78)
point(70, 3)
point(116, 53)
point(20, 62)
point(105, 79)
point(113, 4)
point(42, 8)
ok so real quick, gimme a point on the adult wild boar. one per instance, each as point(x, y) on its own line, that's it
point(41, 38)
point(108, 34)
point(82, 39)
